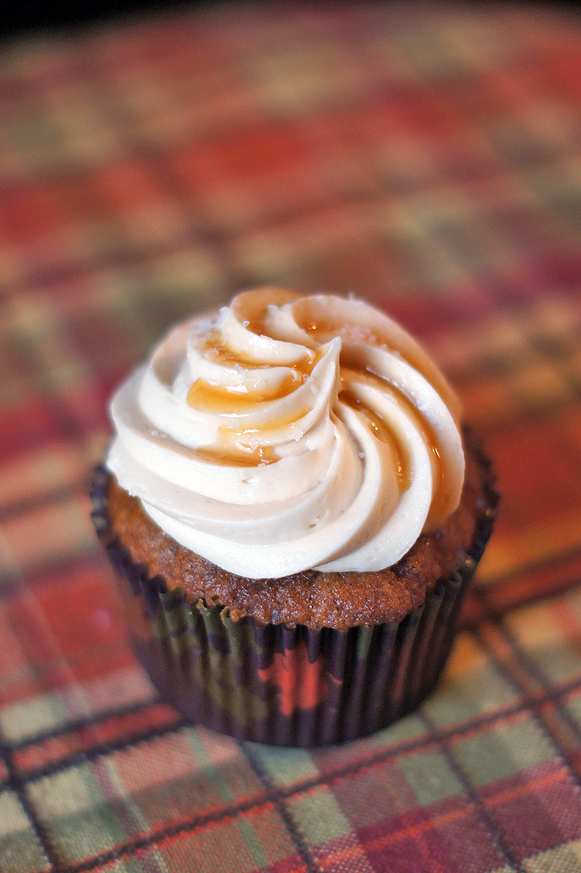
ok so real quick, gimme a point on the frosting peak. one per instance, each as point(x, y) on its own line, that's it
point(285, 433)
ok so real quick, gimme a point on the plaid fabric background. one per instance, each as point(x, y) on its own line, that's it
point(428, 158)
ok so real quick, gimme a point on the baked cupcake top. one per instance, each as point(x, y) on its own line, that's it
point(286, 433)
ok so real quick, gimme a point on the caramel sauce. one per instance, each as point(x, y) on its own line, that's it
point(230, 449)
point(380, 430)
point(219, 399)
point(234, 456)
point(227, 399)
point(224, 400)
point(217, 353)
point(251, 307)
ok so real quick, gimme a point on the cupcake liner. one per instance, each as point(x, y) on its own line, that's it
point(286, 686)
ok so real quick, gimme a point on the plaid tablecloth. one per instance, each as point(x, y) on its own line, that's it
point(425, 157)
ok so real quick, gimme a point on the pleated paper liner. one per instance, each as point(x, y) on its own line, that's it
point(291, 687)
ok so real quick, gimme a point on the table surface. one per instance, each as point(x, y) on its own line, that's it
point(425, 157)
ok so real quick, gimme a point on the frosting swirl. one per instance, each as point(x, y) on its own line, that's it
point(285, 433)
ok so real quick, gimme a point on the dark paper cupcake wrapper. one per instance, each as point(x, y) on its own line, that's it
point(271, 684)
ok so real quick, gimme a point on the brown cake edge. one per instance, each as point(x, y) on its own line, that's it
point(312, 598)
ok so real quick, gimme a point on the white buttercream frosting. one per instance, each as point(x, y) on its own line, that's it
point(285, 433)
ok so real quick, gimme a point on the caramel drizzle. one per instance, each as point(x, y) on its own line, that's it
point(230, 400)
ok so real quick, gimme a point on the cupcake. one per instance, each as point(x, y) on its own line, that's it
point(293, 510)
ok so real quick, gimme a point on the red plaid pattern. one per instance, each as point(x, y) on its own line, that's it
point(427, 158)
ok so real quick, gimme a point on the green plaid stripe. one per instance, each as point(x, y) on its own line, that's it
point(427, 159)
